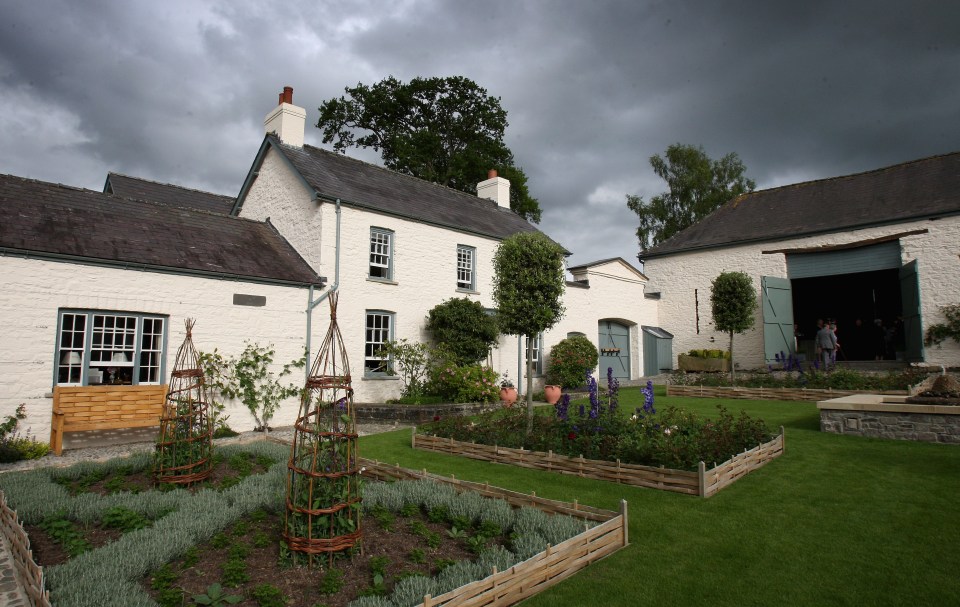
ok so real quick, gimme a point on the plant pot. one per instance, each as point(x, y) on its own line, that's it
point(508, 396)
point(552, 394)
point(696, 364)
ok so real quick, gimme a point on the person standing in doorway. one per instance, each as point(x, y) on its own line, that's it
point(826, 345)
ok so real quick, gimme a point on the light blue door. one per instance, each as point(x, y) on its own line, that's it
point(777, 300)
point(614, 349)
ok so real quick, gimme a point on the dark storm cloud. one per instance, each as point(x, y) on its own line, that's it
point(177, 91)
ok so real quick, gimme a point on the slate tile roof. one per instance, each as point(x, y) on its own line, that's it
point(364, 185)
point(136, 188)
point(57, 221)
point(919, 189)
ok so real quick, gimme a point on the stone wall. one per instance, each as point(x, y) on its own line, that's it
point(926, 427)
point(416, 414)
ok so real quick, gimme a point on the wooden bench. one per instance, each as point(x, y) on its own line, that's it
point(78, 408)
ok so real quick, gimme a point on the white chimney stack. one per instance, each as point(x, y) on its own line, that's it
point(495, 188)
point(287, 121)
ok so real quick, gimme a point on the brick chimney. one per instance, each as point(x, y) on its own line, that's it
point(495, 188)
point(286, 121)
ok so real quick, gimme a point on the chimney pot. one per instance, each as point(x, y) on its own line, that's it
point(491, 173)
point(288, 94)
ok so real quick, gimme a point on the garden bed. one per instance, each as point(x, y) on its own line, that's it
point(703, 483)
point(416, 414)
point(113, 574)
point(881, 416)
point(760, 393)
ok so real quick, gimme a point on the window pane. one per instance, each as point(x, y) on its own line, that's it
point(70, 355)
point(377, 334)
point(380, 252)
point(151, 346)
point(465, 266)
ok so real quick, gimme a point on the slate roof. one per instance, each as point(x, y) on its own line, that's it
point(55, 221)
point(363, 185)
point(136, 188)
point(929, 187)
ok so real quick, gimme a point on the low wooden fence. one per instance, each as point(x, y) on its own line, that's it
point(799, 394)
point(539, 572)
point(703, 482)
point(28, 574)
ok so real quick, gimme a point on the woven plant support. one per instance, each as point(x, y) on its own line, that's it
point(184, 448)
point(323, 476)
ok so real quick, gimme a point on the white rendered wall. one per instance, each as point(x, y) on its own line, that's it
point(676, 277)
point(35, 290)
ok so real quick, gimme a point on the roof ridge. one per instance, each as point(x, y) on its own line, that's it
point(473, 198)
point(171, 185)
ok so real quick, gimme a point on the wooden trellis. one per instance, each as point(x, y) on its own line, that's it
point(323, 478)
point(184, 448)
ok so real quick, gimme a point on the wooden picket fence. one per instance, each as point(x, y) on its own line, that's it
point(539, 572)
point(703, 482)
point(798, 394)
point(27, 572)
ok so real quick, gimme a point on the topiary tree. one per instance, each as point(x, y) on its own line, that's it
point(570, 359)
point(464, 328)
point(733, 300)
point(528, 283)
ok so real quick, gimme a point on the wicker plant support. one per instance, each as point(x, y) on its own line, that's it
point(323, 479)
point(184, 448)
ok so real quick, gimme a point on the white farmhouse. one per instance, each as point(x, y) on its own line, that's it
point(877, 251)
point(97, 285)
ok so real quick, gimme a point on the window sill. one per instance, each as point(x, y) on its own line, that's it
point(380, 378)
point(383, 281)
point(468, 291)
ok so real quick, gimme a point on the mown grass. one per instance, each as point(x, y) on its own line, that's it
point(836, 520)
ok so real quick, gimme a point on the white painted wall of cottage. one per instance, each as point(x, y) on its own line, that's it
point(35, 290)
point(676, 277)
point(424, 274)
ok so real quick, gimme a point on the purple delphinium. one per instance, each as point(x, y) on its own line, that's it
point(563, 407)
point(648, 398)
point(613, 391)
point(594, 397)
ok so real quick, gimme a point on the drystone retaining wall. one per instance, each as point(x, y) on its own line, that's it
point(925, 427)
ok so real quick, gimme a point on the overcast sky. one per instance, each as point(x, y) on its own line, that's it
point(176, 91)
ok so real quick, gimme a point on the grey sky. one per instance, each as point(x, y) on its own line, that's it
point(176, 91)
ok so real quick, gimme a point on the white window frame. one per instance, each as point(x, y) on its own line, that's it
point(380, 266)
point(378, 329)
point(466, 268)
point(93, 343)
point(537, 357)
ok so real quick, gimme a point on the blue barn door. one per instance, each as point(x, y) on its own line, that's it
point(614, 349)
point(777, 298)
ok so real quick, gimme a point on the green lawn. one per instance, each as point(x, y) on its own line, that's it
point(835, 521)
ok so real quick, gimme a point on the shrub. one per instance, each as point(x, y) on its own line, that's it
point(464, 327)
point(465, 384)
point(570, 360)
point(13, 446)
point(409, 361)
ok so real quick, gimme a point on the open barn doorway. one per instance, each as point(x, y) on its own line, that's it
point(867, 307)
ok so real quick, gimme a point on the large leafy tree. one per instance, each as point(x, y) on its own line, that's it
point(698, 186)
point(733, 300)
point(445, 130)
point(529, 279)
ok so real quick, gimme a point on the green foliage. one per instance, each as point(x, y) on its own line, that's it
point(409, 361)
point(445, 130)
point(13, 446)
point(570, 359)
point(697, 187)
point(235, 573)
point(418, 556)
point(940, 332)
point(268, 595)
point(733, 301)
point(464, 328)
point(249, 377)
point(215, 596)
point(331, 582)
point(124, 519)
point(709, 353)
point(529, 279)
point(67, 534)
point(465, 384)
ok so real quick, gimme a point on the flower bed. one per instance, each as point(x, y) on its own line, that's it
point(665, 450)
point(113, 574)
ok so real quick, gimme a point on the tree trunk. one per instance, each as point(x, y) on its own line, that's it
point(529, 385)
point(733, 379)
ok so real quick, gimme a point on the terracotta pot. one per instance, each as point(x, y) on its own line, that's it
point(552, 394)
point(508, 396)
